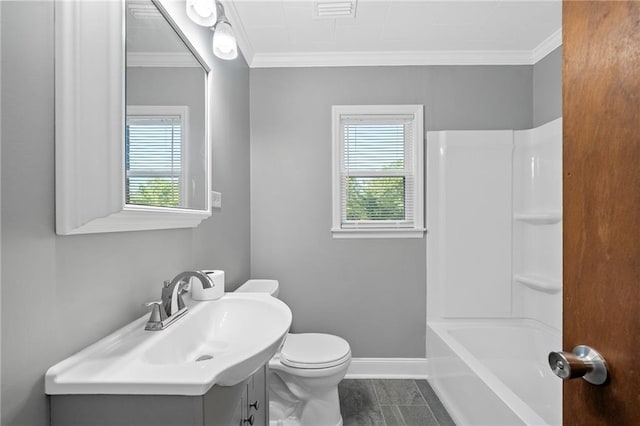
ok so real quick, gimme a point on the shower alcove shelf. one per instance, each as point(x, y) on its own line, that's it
point(539, 283)
point(539, 217)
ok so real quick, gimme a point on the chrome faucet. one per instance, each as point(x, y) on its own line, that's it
point(166, 311)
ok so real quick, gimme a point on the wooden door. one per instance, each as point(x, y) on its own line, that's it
point(601, 109)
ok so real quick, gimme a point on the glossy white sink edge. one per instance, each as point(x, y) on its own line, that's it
point(120, 362)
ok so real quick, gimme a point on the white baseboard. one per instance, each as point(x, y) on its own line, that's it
point(387, 368)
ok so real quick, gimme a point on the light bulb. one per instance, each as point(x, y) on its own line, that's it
point(203, 8)
point(202, 12)
point(224, 42)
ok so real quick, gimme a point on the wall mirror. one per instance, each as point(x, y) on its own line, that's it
point(165, 114)
point(132, 117)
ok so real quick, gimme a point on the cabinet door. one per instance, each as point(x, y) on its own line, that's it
point(257, 398)
point(226, 406)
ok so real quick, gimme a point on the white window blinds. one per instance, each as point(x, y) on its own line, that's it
point(376, 169)
point(154, 160)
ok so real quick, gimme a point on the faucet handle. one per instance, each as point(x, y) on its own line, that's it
point(157, 311)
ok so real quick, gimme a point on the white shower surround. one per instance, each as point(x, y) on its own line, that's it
point(494, 272)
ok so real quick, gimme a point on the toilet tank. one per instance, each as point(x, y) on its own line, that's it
point(260, 286)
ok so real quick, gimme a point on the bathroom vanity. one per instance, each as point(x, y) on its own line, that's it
point(207, 368)
point(240, 405)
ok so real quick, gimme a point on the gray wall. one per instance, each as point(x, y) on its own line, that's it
point(63, 293)
point(369, 291)
point(547, 88)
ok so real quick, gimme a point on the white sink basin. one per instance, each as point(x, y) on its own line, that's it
point(218, 342)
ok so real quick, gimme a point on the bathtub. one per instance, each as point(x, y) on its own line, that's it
point(495, 372)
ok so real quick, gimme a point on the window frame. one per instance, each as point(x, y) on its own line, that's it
point(378, 229)
point(181, 111)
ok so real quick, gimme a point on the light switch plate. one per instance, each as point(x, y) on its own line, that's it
point(216, 199)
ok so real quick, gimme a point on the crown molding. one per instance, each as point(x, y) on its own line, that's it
point(346, 59)
point(547, 46)
point(162, 59)
point(244, 45)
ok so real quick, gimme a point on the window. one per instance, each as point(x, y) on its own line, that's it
point(154, 160)
point(378, 171)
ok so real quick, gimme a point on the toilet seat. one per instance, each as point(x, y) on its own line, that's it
point(314, 351)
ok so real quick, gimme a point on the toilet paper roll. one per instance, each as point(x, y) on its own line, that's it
point(215, 292)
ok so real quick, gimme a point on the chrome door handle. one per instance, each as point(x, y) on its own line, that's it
point(583, 362)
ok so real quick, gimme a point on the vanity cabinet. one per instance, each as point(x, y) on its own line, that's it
point(257, 398)
point(241, 405)
point(223, 407)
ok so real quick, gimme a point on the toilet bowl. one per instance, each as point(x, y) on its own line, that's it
point(304, 374)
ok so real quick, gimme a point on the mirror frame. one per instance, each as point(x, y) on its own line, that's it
point(90, 119)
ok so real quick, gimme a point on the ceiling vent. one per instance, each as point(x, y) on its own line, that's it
point(330, 9)
point(143, 10)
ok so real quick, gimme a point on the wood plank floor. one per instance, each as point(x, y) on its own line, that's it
point(385, 402)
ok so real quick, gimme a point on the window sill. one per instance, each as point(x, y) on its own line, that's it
point(378, 233)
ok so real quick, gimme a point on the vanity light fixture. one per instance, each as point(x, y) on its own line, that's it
point(224, 42)
point(210, 13)
point(202, 12)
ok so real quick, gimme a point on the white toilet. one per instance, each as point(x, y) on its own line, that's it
point(304, 374)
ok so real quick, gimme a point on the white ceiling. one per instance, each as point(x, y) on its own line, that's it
point(279, 33)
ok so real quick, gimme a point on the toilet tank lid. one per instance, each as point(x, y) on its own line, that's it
point(260, 286)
